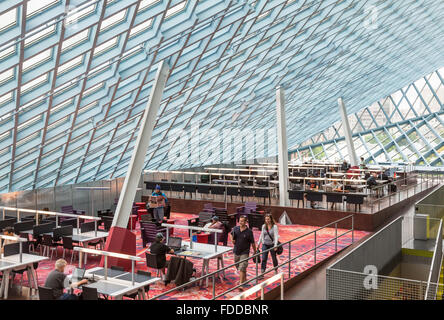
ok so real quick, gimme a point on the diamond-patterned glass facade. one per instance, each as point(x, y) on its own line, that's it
point(75, 75)
point(406, 126)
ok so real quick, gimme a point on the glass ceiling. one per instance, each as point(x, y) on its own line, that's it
point(75, 75)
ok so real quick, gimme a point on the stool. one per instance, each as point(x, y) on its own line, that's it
point(141, 205)
point(140, 213)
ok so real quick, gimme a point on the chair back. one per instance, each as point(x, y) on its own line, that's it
point(89, 293)
point(67, 243)
point(151, 260)
point(46, 293)
point(47, 240)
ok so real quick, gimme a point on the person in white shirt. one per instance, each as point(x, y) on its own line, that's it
point(269, 238)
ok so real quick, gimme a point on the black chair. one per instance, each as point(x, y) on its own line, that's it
point(68, 245)
point(263, 193)
point(49, 245)
point(313, 196)
point(246, 192)
point(189, 188)
point(151, 262)
point(355, 199)
point(334, 198)
point(203, 189)
point(177, 188)
point(89, 293)
point(217, 190)
point(107, 222)
point(150, 186)
point(296, 195)
point(232, 191)
point(46, 293)
point(145, 288)
point(146, 217)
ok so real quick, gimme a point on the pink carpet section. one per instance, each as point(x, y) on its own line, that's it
point(196, 292)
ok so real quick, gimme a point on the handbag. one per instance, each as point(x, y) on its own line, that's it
point(279, 246)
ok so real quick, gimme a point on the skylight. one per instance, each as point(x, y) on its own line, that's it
point(105, 46)
point(141, 27)
point(43, 33)
point(79, 13)
point(36, 6)
point(8, 19)
point(113, 20)
point(34, 83)
point(175, 10)
point(70, 64)
point(36, 60)
point(75, 39)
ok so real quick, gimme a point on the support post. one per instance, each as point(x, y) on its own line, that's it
point(121, 239)
point(282, 147)
point(347, 134)
point(126, 199)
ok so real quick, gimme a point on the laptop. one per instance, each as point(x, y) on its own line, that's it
point(78, 274)
point(175, 243)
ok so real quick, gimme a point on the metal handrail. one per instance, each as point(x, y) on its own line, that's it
point(213, 274)
point(437, 254)
point(390, 195)
point(261, 286)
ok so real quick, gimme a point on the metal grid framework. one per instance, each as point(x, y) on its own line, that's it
point(407, 126)
point(388, 288)
point(75, 75)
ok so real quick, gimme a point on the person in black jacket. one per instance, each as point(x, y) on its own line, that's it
point(160, 250)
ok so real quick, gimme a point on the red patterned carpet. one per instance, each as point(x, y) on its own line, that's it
point(198, 293)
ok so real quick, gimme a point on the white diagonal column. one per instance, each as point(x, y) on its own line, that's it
point(347, 134)
point(282, 147)
point(126, 199)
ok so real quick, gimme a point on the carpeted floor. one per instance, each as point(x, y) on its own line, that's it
point(286, 233)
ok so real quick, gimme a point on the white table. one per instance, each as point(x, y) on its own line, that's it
point(9, 263)
point(118, 283)
point(205, 252)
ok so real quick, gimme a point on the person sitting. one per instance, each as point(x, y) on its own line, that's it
point(57, 281)
point(345, 166)
point(8, 231)
point(160, 250)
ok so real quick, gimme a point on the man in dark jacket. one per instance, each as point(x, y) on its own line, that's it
point(160, 250)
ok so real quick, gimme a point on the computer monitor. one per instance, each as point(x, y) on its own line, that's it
point(78, 273)
point(174, 242)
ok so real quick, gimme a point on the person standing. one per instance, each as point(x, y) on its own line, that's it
point(242, 238)
point(269, 238)
point(158, 212)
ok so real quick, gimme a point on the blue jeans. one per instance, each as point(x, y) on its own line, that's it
point(158, 214)
point(68, 296)
point(265, 256)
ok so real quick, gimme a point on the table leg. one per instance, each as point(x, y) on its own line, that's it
point(29, 273)
point(203, 272)
point(6, 281)
point(207, 268)
point(34, 277)
point(222, 264)
point(2, 287)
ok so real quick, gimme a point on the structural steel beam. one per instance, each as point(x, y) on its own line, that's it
point(282, 147)
point(132, 178)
